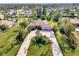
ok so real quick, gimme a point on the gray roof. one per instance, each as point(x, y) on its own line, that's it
point(43, 23)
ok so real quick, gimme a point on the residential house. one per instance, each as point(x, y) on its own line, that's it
point(28, 13)
point(76, 22)
point(40, 25)
point(1, 16)
point(12, 13)
point(49, 10)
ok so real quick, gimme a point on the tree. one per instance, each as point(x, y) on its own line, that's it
point(44, 12)
point(55, 15)
point(40, 40)
point(39, 13)
point(3, 27)
point(23, 24)
point(66, 26)
point(20, 36)
point(55, 29)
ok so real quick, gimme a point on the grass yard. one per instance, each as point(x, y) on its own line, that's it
point(9, 45)
point(66, 50)
point(7, 37)
point(39, 49)
point(52, 23)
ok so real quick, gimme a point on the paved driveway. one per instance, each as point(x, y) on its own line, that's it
point(25, 45)
point(55, 46)
point(50, 34)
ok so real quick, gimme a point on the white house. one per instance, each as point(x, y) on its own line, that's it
point(28, 13)
point(1, 16)
point(49, 10)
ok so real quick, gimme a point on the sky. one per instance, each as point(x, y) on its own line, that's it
point(39, 1)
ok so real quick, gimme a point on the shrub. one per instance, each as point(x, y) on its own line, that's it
point(40, 40)
point(23, 24)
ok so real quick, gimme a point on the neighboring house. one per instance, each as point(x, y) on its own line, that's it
point(20, 12)
point(49, 10)
point(8, 23)
point(68, 16)
point(28, 13)
point(41, 25)
point(76, 22)
point(1, 16)
point(12, 13)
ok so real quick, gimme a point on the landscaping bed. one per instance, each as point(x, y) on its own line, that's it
point(40, 46)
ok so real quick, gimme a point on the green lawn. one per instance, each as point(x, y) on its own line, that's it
point(52, 23)
point(7, 37)
point(66, 50)
point(39, 50)
point(9, 45)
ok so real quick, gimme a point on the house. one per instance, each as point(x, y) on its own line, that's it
point(8, 23)
point(40, 25)
point(12, 13)
point(49, 10)
point(28, 13)
point(76, 22)
point(20, 12)
point(1, 16)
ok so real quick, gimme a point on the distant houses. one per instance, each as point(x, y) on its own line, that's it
point(76, 22)
point(49, 10)
point(28, 13)
point(1, 16)
point(73, 19)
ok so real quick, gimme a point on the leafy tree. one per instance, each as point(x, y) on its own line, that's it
point(55, 29)
point(40, 40)
point(44, 12)
point(39, 13)
point(3, 27)
point(55, 15)
point(20, 36)
point(66, 26)
point(23, 24)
